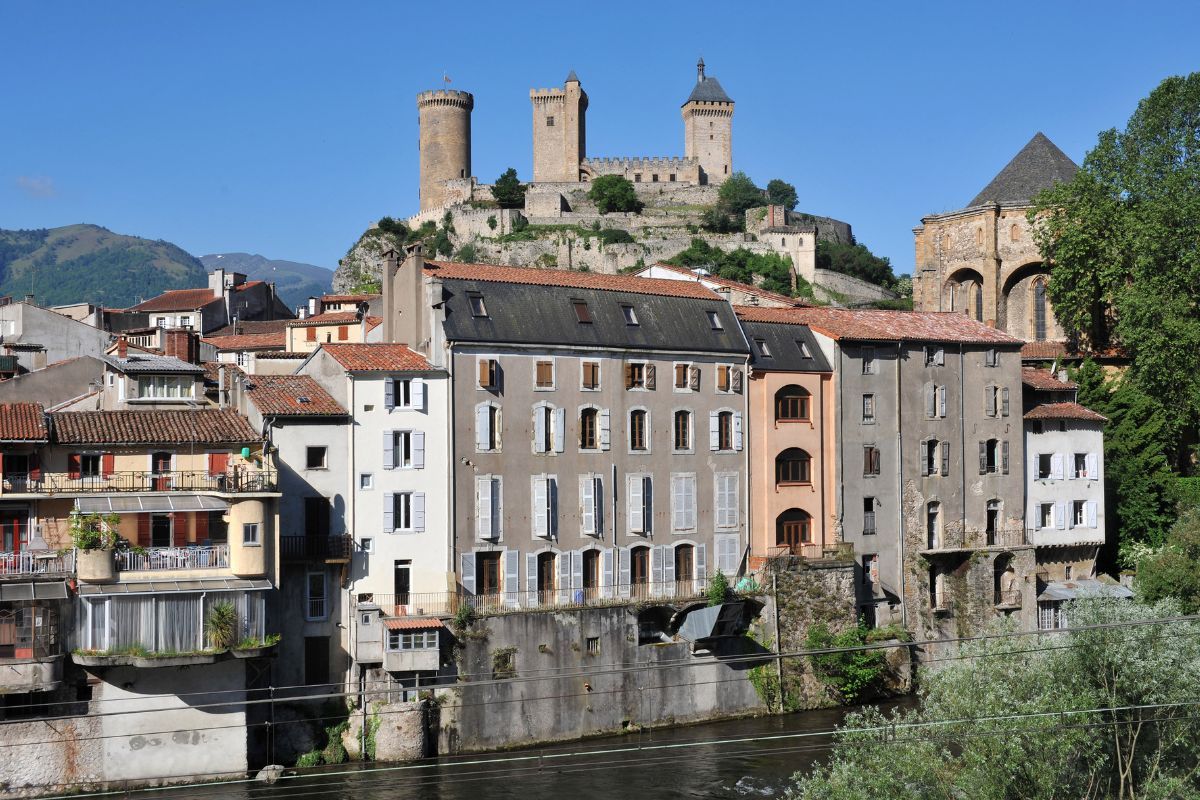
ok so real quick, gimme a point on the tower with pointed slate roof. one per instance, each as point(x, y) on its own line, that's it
point(708, 128)
point(982, 260)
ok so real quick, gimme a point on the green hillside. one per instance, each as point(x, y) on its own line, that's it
point(87, 263)
point(294, 281)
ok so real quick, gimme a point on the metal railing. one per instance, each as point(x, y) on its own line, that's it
point(157, 559)
point(313, 548)
point(975, 539)
point(316, 608)
point(233, 482)
point(37, 562)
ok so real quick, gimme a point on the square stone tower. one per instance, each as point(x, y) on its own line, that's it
point(559, 131)
point(708, 128)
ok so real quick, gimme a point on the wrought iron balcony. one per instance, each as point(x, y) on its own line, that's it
point(316, 548)
point(37, 563)
point(233, 482)
point(959, 540)
point(158, 559)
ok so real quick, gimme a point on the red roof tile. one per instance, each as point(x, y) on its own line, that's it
point(203, 426)
point(569, 278)
point(377, 357)
point(299, 355)
point(336, 318)
point(1045, 380)
point(1046, 350)
point(178, 300)
point(883, 326)
point(280, 395)
point(412, 623)
point(783, 299)
point(349, 298)
point(1064, 411)
point(248, 341)
point(22, 422)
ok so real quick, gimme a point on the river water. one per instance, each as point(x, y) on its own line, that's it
point(749, 758)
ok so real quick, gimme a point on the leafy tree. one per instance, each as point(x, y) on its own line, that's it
point(738, 194)
point(508, 191)
point(718, 589)
point(614, 193)
point(394, 227)
point(857, 261)
point(1174, 571)
point(852, 673)
point(1009, 723)
point(782, 193)
point(770, 271)
point(467, 254)
point(1124, 240)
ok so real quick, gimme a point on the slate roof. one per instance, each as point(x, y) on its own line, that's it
point(1039, 165)
point(280, 395)
point(782, 299)
point(22, 422)
point(783, 345)
point(1045, 380)
point(247, 327)
point(872, 325)
point(708, 90)
point(571, 76)
point(377, 357)
point(178, 300)
point(248, 341)
point(201, 426)
point(1064, 411)
point(671, 315)
point(145, 362)
point(494, 273)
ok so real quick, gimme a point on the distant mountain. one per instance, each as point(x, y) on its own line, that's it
point(87, 263)
point(294, 282)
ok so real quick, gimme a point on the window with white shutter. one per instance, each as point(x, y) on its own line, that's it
point(589, 505)
point(466, 572)
point(683, 502)
point(418, 449)
point(487, 507)
point(726, 495)
point(638, 503)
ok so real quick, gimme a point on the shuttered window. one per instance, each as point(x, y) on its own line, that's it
point(683, 502)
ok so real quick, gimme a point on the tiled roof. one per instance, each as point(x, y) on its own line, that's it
point(883, 326)
point(283, 354)
point(377, 357)
point(291, 395)
point(202, 426)
point(1039, 165)
point(568, 279)
point(1043, 350)
point(178, 300)
point(1045, 380)
point(248, 341)
point(349, 298)
point(246, 327)
point(22, 422)
point(212, 371)
point(1064, 411)
point(146, 362)
point(336, 318)
point(783, 299)
point(412, 623)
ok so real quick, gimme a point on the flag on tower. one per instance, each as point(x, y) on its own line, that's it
point(446, 78)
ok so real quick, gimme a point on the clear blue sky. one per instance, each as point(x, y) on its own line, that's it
point(284, 128)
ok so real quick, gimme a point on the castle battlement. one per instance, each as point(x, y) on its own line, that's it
point(538, 94)
point(446, 97)
point(639, 162)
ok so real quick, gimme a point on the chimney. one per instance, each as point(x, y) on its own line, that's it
point(222, 398)
point(312, 306)
point(181, 344)
point(29, 299)
point(216, 282)
point(388, 287)
point(122, 347)
point(362, 321)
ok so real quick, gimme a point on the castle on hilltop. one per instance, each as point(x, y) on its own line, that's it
point(560, 142)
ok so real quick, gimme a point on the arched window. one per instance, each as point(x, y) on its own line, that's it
point(1014, 233)
point(682, 430)
point(639, 570)
point(933, 523)
point(793, 404)
point(1039, 310)
point(992, 527)
point(793, 466)
point(685, 562)
point(545, 577)
point(638, 435)
point(1004, 581)
point(793, 530)
point(977, 291)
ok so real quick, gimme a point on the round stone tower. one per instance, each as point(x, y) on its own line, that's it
point(444, 118)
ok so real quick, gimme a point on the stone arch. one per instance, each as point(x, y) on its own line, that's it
point(1016, 306)
point(963, 291)
point(1005, 583)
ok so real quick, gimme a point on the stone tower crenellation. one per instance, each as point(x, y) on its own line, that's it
point(559, 131)
point(444, 119)
point(708, 128)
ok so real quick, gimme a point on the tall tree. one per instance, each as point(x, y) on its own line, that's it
point(508, 191)
point(1123, 238)
point(738, 194)
point(614, 193)
point(782, 193)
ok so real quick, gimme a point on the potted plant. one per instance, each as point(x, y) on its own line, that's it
point(221, 626)
point(95, 539)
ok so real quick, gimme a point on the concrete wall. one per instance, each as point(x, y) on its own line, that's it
point(60, 337)
point(55, 384)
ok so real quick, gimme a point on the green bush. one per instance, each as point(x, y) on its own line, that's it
point(465, 617)
point(615, 236)
point(466, 254)
point(309, 760)
point(718, 589)
point(853, 673)
point(221, 626)
point(614, 193)
point(508, 190)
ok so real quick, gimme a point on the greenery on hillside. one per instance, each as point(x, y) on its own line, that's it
point(87, 263)
point(508, 191)
point(613, 193)
point(856, 261)
point(771, 271)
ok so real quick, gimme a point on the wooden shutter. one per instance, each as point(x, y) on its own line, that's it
point(657, 554)
point(694, 378)
point(1004, 402)
point(1060, 515)
point(179, 529)
point(343, 333)
point(1004, 456)
point(389, 512)
point(1090, 511)
point(417, 448)
point(587, 505)
point(669, 569)
point(108, 465)
point(983, 458)
point(1056, 467)
point(143, 530)
point(418, 511)
point(576, 573)
point(74, 467)
point(989, 400)
point(218, 463)
point(483, 508)
point(714, 430)
point(737, 430)
point(635, 505)
point(701, 562)
point(737, 380)
point(651, 379)
point(539, 429)
point(930, 400)
point(416, 391)
point(939, 357)
point(467, 572)
point(389, 393)
point(310, 334)
point(485, 381)
point(389, 449)
point(562, 565)
point(945, 458)
point(559, 437)
point(200, 526)
point(629, 376)
point(924, 458)
point(605, 429)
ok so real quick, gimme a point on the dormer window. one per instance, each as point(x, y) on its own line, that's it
point(630, 315)
point(763, 350)
point(582, 312)
point(804, 351)
point(714, 321)
point(478, 309)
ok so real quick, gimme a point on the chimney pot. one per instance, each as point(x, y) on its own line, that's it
point(122, 347)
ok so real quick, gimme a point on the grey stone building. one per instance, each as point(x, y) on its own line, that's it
point(598, 428)
point(929, 450)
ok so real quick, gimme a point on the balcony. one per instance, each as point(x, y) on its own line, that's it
point(1052, 537)
point(37, 563)
point(50, 483)
point(161, 559)
point(334, 549)
point(964, 540)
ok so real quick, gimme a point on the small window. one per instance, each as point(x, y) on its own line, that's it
point(590, 375)
point(160, 322)
point(868, 516)
point(868, 409)
point(402, 511)
point(582, 312)
point(804, 351)
point(402, 393)
point(550, 122)
point(630, 315)
point(593, 645)
point(725, 430)
point(868, 361)
point(681, 376)
point(185, 322)
point(1079, 514)
point(89, 465)
point(250, 534)
point(314, 458)
point(1045, 466)
point(654, 178)
point(671, 177)
point(366, 545)
point(489, 373)
point(934, 356)
point(870, 460)
point(366, 481)
point(991, 358)
point(714, 321)
point(763, 350)
point(1081, 470)
point(637, 430)
point(478, 309)
point(724, 378)
point(544, 375)
point(635, 375)
point(1046, 515)
point(637, 177)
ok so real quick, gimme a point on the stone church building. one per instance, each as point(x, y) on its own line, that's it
point(982, 259)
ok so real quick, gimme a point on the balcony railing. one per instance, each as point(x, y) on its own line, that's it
point(976, 539)
point(315, 548)
point(234, 482)
point(36, 562)
point(158, 559)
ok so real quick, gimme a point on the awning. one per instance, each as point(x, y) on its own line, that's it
point(41, 590)
point(163, 587)
point(150, 504)
point(1084, 587)
point(412, 623)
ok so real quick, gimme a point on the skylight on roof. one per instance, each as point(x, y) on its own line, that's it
point(715, 321)
point(478, 309)
point(763, 350)
point(630, 315)
point(582, 312)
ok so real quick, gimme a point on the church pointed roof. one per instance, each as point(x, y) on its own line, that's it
point(1039, 165)
point(707, 90)
point(571, 76)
